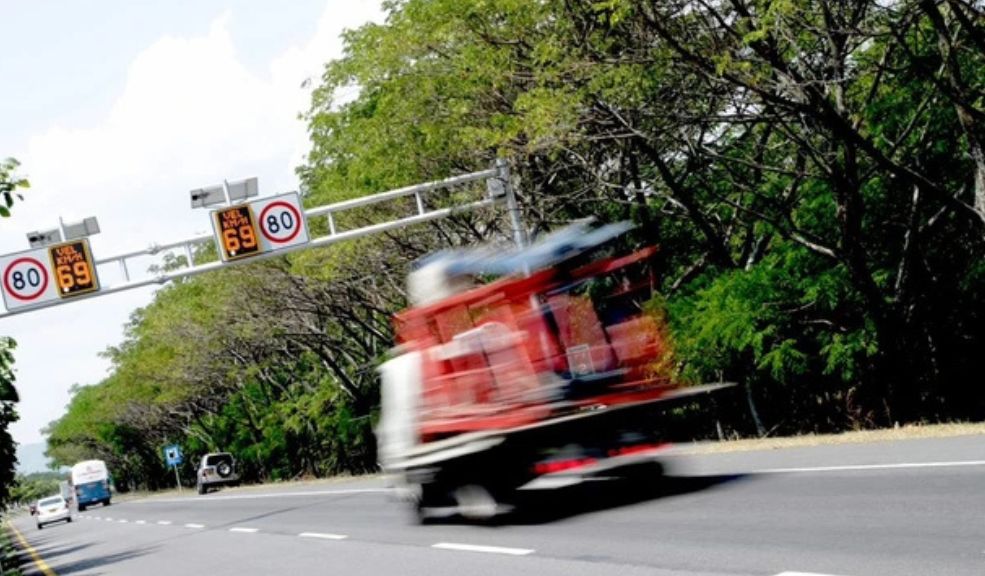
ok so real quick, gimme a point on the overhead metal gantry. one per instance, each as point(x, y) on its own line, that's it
point(246, 232)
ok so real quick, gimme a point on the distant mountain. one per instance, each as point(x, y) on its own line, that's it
point(31, 458)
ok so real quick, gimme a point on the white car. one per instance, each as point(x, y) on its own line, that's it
point(53, 509)
point(216, 469)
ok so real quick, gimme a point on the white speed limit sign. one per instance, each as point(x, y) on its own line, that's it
point(26, 279)
point(281, 221)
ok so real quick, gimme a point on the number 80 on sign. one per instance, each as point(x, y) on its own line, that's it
point(281, 220)
point(35, 277)
point(25, 279)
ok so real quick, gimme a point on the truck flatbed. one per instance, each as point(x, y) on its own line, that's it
point(444, 450)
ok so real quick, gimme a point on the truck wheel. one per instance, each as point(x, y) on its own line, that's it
point(82, 507)
point(644, 476)
point(427, 498)
point(420, 512)
point(475, 502)
point(106, 502)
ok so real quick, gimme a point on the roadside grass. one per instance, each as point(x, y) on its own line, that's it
point(853, 437)
point(189, 491)
point(8, 553)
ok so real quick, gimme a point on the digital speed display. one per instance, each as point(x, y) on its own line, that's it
point(237, 232)
point(73, 268)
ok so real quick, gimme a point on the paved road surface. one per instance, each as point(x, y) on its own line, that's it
point(903, 508)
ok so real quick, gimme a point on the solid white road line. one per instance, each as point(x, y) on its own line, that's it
point(194, 525)
point(486, 549)
point(862, 467)
point(803, 574)
point(323, 536)
point(164, 522)
point(245, 530)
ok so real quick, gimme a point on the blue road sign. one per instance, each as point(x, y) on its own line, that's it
point(173, 455)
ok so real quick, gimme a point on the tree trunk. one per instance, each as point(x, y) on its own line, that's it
point(968, 116)
point(760, 429)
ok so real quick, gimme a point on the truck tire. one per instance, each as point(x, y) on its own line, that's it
point(427, 497)
point(476, 502)
point(82, 507)
point(645, 476)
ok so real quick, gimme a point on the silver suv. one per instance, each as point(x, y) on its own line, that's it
point(216, 469)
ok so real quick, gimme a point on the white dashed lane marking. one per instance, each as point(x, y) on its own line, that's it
point(322, 536)
point(456, 546)
point(485, 549)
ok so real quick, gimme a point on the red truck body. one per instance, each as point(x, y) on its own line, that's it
point(549, 371)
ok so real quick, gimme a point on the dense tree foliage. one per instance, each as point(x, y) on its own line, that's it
point(8, 415)
point(10, 187)
point(813, 171)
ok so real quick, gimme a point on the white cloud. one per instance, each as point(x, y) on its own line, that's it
point(190, 114)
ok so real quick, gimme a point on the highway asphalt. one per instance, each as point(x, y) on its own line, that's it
point(901, 508)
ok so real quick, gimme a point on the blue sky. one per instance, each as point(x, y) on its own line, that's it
point(117, 110)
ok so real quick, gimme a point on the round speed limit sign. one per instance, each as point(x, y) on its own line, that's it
point(281, 221)
point(25, 279)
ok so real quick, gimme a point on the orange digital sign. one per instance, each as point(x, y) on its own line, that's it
point(73, 267)
point(237, 231)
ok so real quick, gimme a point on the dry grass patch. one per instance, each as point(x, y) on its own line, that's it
point(855, 437)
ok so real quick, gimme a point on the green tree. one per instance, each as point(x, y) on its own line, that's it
point(815, 140)
point(32, 487)
point(10, 186)
point(811, 172)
